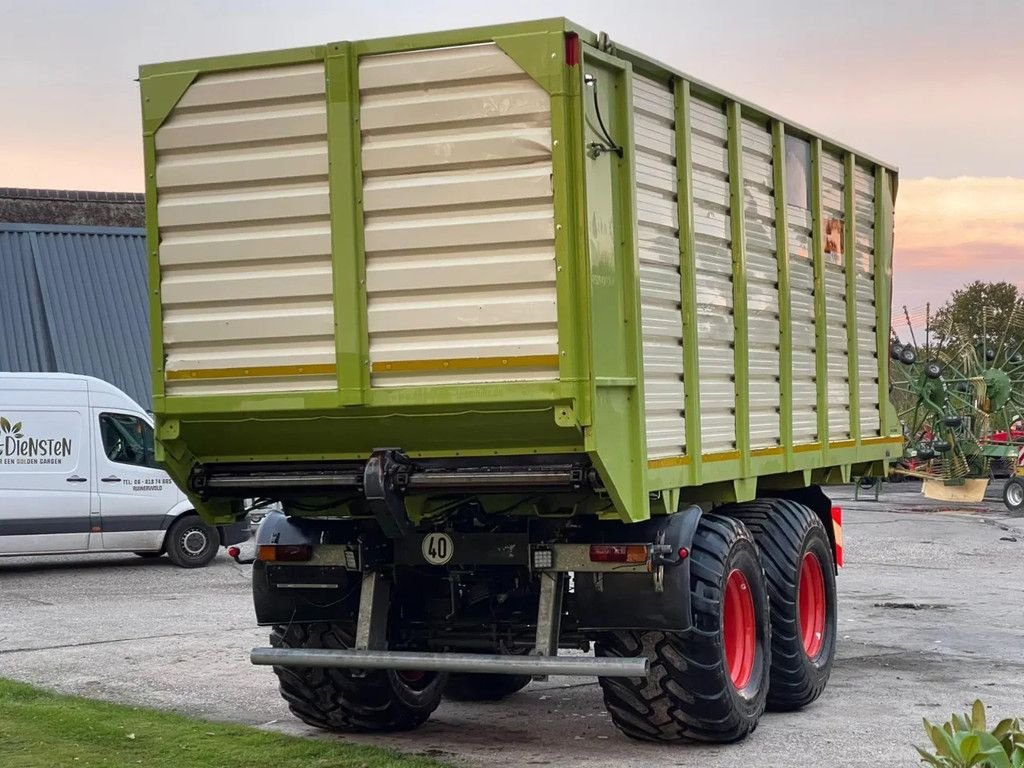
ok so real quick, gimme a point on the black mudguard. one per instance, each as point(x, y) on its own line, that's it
point(234, 533)
point(630, 601)
point(284, 605)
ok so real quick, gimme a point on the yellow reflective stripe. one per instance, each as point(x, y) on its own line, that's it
point(464, 364)
point(727, 456)
point(778, 450)
point(253, 372)
point(806, 447)
point(668, 461)
point(881, 440)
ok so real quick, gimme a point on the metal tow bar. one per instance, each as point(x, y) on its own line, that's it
point(580, 666)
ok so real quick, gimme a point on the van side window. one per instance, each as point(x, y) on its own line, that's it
point(127, 439)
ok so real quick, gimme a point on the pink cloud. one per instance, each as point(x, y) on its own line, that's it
point(952, 231)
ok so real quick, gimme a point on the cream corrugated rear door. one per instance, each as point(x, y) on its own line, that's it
point(245, 236)
point(459, 218)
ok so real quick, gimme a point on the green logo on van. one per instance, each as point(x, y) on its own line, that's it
point(15, 448)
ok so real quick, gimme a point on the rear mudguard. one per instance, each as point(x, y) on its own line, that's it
point(275, 604)
point(612, 601)
point(656, 600)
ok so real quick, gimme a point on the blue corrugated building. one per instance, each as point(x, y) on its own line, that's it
point(73, 297)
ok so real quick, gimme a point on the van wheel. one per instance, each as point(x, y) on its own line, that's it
point(191, 543)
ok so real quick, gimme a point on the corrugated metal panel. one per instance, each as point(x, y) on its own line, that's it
point(832, 210)
point(801, 287)
point(75, 300)
point(24, 335)
point(459, 218)
point(658, 246)
point(245, 253)
point(867, 351)
point(762, 285)
point(713, 240)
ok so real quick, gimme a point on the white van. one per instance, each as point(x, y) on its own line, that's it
point(77, 474)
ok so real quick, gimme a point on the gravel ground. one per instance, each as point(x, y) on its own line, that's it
point(931, 617)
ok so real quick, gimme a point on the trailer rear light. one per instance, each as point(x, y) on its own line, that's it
point(234, 552)
point(837, 531)
point(572, 49)
point(618, 553)
point(287, 553)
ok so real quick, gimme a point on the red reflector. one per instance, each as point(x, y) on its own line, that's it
point(284, 552)
point(572, 49)
point(618, 553)
point(234, 551)
point(683, 553)
point(837, 530)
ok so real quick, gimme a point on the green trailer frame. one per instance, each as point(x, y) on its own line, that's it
point(596, 406)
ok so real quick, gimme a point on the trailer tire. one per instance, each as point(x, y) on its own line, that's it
point(800, 573)
point(346, 701)
point(470, 687)
point(692, 693)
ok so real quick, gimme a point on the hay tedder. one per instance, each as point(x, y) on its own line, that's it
point(959, 393)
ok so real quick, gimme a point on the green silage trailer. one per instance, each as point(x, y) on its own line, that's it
point(538, 343)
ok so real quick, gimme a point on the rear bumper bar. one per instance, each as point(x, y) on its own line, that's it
point(581, 666)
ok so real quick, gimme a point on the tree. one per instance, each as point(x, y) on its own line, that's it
point(989, 313)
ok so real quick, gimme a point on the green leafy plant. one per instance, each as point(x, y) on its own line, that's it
point(966, 742)
point(8, 428)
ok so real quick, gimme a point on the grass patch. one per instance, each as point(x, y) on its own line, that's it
point(39, 729)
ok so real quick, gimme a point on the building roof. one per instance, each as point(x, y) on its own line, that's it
point(73, 299)
point(69, 206)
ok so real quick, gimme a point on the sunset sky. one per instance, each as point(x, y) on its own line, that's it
point(934, 86)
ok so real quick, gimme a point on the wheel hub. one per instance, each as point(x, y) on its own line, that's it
point(193, 541)
point(739, 628)
point(1015, 494)
point(811, 600)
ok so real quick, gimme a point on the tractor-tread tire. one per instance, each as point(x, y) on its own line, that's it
point(784, 531)
point(470, 687)
point(688, 694)
point(341, 700)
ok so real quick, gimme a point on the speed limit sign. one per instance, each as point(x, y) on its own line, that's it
point(438, 548)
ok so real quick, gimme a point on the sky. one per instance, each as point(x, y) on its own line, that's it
point(935, 87)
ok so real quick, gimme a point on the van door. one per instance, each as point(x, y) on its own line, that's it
point(45, 483)
point(135, 495)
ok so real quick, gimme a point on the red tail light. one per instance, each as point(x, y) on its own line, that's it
point(837, 530)
point(572, 49)
point(618, 553)
point(292, 553)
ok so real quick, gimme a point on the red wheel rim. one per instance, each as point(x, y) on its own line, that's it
point(811, 598)
point(739, 628)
